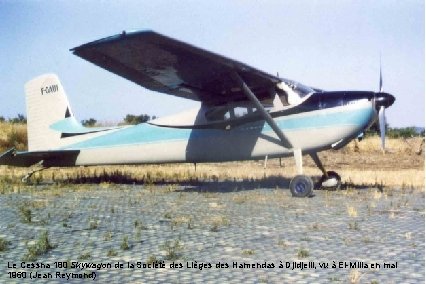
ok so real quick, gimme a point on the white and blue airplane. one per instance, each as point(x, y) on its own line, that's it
point(245, 113)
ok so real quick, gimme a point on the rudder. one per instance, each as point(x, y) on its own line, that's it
point(47, 103)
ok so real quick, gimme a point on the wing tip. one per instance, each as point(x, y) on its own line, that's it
point(124, 33)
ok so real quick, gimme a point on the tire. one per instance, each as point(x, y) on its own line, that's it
point(331, 175)
point(301, 186)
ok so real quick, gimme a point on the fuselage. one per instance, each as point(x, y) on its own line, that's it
point(319, 122)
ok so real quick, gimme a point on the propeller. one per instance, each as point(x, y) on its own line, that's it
point(381, 80)
point(382, 124)
point(382, 117)
point(382, 101)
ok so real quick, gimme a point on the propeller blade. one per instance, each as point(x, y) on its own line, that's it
point(381, 80)
point(382, 124)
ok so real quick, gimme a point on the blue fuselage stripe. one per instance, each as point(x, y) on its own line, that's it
point(146, 133)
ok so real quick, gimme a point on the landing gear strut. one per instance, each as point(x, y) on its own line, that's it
point(330, 180)
point(300, 185)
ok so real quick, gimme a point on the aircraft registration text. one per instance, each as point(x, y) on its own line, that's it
point(49, 89)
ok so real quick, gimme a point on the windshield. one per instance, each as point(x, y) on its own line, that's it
point(299, 88)
point(292, 92)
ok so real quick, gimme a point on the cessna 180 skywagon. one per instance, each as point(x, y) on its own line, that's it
point(245, 113)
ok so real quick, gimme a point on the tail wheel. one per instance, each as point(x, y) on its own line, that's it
point(301, 186)
point(332, 182)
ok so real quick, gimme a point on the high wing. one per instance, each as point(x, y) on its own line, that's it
point(166, 65)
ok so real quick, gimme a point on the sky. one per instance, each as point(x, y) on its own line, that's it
point(332, 45)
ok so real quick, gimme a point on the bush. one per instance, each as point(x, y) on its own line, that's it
point(89, 122)
point(172, 249)
point(137, 119)
point(405, 132)
point(41, 247)
point(4, 244)
point(19, 119)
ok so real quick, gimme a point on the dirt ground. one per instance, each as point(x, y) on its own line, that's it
point(219, 215)
point(239, 233)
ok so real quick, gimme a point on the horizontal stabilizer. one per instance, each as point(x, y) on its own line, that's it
point(70, 125)
point(58, 158)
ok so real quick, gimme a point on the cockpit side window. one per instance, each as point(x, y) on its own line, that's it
point(217, 113)
point(223, 113)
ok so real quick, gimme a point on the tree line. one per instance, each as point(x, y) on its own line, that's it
point(128, 119)
point(20, 118)
point(395, 132)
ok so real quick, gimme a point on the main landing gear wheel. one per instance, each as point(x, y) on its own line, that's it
point(333, 182)
point(301, 186)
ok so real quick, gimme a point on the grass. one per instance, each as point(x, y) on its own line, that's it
point(282, 244)
point(173, 249)
point(125, 243)
point(315, 226)
point(240, 199)
point(352, 211)
point(248, 252)
point(354, 226)
point(25, 213)
point(108, 236)
point(354, 276)
point(138, 235)
point(306, 239)
point(4, 244)
point(13, 135)
point(180, 220)
point(40, 247)
point(359, 168)
point(139, 225)
point(218, 222)
point(111, 253)
point(334, 279)
point(85, 256)
point(152, 259)
point(10, 177)
point(93, 224)
point(302, 253)
point(367, 240)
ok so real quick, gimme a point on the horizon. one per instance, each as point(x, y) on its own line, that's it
point(418, 129)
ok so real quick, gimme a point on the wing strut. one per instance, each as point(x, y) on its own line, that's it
point(262, 110)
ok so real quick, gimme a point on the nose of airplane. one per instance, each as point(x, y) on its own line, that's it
point(383, 99)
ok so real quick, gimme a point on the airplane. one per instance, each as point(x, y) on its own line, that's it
point(245, 113)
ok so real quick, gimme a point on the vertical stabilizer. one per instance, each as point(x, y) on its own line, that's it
point(47, 103)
